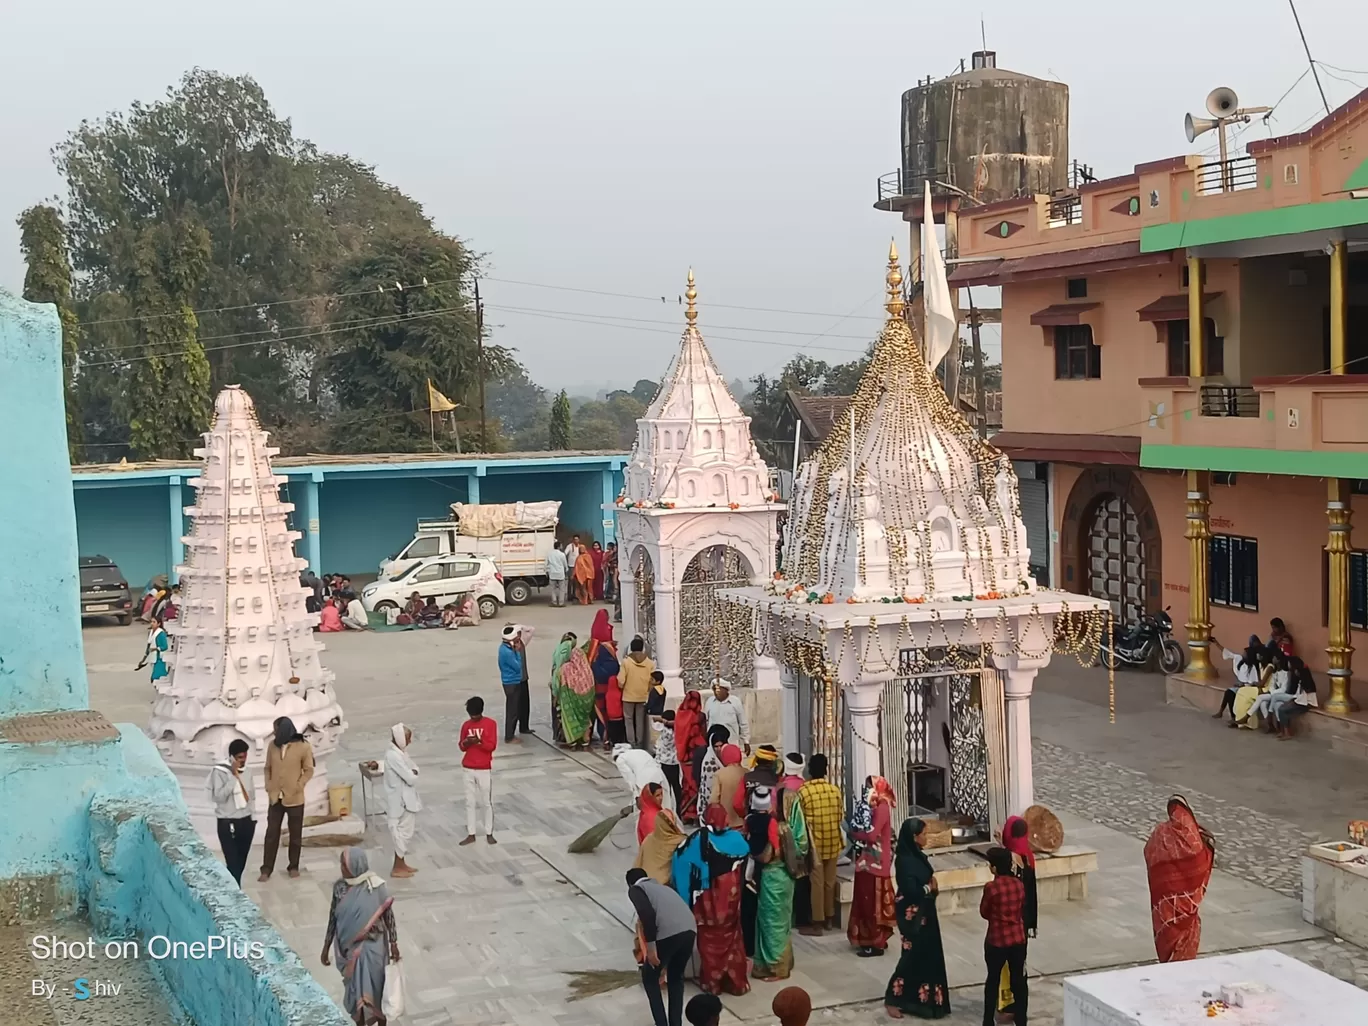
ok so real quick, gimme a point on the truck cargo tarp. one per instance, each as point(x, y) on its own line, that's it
point(489, 520)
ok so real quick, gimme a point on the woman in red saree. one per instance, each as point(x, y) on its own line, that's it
point(690, 733)
point(596, 555)
point(872, 916)
point(721, 946)
point(1179, 857)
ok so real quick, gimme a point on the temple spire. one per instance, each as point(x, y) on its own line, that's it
point(690, 295)
point(893, 302)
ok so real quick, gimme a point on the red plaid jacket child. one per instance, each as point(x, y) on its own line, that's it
point(1004, 898)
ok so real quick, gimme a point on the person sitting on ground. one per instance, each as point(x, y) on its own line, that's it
point(413, 610)
point(1248, 672)
point(431, 615)
point(171, 607)
point(450, 614)
point(330, 617)
point(355, 618)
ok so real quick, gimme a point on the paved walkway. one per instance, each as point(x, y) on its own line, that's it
point(488, 932)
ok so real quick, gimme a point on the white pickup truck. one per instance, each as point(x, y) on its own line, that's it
point(516, 536)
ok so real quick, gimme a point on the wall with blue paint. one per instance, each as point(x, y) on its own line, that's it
point(38, 568)
point(367, 520)
point(129, 525)
point(148, 874)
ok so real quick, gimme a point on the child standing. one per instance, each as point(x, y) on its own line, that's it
point(667, 756)
point(478, 738)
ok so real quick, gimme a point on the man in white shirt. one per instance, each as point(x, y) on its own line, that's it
point(355, 618)
point(557, 569)
point(725, 709)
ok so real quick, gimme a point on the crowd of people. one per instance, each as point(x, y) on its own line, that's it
point(583, 573)
point(1273, 685)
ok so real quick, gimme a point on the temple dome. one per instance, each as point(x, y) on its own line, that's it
point(934, 511)
point(693, 447)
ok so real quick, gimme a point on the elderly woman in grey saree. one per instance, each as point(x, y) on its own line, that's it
point(361, 931)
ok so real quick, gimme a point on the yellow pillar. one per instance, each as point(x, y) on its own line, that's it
point(1340, 652)
point(1339, 307)
point(1198, 535)
point(1196, 320)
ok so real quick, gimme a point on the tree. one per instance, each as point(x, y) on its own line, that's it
point(390, 341)
point(607, 424)
point(281, 219)
point(519, 405)
point(645, 390)
point(166, 398)
point(559, 433)
point(802, 374)
point(43, 241)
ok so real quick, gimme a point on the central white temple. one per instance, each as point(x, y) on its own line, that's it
point(906, 624)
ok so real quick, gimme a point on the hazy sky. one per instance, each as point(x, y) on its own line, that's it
point(608, 146)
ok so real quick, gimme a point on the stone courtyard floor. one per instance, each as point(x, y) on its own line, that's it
point(488, 932)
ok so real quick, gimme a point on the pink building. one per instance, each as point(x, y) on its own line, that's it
point(1219, 480)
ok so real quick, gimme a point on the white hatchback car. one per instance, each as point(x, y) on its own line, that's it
point(443, 578)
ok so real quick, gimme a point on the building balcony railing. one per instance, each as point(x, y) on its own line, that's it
point(1231, 175)
point(1065, 210)
point(1307, 413)
point(896, 188)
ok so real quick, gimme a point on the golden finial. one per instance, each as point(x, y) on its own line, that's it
point(691, 294)
point(893, 302)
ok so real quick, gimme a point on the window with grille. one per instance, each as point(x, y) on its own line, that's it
point(1077, 356)
point(1234, 571)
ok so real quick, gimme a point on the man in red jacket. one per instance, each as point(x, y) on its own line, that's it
point(478, 738)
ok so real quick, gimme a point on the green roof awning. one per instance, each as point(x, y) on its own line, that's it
point(1257, 224)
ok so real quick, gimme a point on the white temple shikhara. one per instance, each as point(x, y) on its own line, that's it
point(906, 624)
point(696, 514)
point(243, 649)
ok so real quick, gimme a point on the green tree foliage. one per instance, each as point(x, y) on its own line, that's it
point(607, 424)
point(165, 398)
point(559, 429)
point(287, 226)
point(802, 374)
point(43, 241)
point(399, 338)
point(520, 407)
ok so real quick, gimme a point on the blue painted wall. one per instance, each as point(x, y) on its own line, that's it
point(365, 521)
point(363, 517)
point(42, 665)
point(129, 525)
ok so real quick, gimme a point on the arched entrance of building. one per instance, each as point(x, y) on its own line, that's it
point(643, 579)
point(715, 639)
point(1111, 544)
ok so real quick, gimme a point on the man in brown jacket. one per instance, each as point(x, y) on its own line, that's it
point(289, 766)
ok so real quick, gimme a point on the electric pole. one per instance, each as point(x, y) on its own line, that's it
point(980, 400)
point(479, 348)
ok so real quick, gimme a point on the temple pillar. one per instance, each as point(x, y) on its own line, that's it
point(627, 583)
point(788, 709)
point(666, 654)
point(1339, 307)
point(1337, 548)
point(1017, 684)
point(313, 538)
point(1198, 535)
point(1196, 321)
point(862, 705)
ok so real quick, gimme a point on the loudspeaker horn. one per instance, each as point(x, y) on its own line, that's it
point(1222, 102)
point(1198, 126)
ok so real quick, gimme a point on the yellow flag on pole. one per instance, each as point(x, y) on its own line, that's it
point(438, 403)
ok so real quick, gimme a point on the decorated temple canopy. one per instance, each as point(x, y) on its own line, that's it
point(904, 502)
point(694, 446)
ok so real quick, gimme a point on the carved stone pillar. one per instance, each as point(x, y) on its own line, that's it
point(1339, 651)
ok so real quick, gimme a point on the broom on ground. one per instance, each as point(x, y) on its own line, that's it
point(596, 834)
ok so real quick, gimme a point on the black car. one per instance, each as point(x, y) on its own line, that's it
point(104, 591)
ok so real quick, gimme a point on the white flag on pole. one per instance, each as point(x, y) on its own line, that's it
point(940, 309)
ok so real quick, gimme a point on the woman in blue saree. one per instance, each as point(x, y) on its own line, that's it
point(361, 932)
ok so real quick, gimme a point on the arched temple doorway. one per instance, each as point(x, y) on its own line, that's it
point(643, 578)
point(1111, 544)
point(715, 639)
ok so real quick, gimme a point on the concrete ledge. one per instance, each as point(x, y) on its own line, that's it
point(1335, 898)
point(1347, 735)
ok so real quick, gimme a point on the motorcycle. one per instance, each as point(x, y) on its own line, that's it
point(1144, 644)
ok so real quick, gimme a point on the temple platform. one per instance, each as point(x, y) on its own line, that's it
point(1346, 734)
point(1335, 890)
